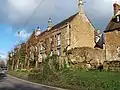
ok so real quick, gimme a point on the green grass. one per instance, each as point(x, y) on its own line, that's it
point(79, 79)
point(19, 74)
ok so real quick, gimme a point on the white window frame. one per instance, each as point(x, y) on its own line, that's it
point(118, 18)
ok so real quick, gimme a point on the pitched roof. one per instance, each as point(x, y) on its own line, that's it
point(113, 24)
point(59, 24)
point(69, 19)
point(118, 13)
point(64, 21)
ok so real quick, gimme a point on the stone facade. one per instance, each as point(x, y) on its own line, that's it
point(31, 51)
point(86, 56)
point(82, 32)
point(78, 35)
point(112, 40)
point(112, 36)
point(75, 31)
point(112, 65)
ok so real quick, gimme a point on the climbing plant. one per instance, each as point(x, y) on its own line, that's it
point(22, 53)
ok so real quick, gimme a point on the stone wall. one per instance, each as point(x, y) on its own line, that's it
point(112, 45)
point(86, 57)
point(82, 32)
point(111, 65)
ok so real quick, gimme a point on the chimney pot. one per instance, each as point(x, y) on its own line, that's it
point(80, 6)
point(37, 32)
point(116, 7)
point(49, 24)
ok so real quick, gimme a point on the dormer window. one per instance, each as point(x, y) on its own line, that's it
point(118, 18)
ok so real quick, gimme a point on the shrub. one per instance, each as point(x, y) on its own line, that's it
point(36, 70)
point(24, 70)
point(34, 76)
point(17, 70)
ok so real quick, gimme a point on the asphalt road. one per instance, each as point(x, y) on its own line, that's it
point(10, 83)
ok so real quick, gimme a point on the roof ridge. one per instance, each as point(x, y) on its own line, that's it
point(60, 23)
point(65, 20)
point(68, 19)
point(118, 13)
point(112, 25)
point(90, 21)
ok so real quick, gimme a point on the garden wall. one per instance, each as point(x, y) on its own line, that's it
point(111, 65)
point(85, 57)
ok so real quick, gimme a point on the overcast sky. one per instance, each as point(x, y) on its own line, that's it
point(15, 13)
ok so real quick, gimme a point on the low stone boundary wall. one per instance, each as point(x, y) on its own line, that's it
point(111, 65)
point(86, 57)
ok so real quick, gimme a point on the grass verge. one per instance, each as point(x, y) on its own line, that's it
point(75, 79)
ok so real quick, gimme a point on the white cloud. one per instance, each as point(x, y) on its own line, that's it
point(18, 11)
point(100, 8)
point(100, 12)
point(3, 55)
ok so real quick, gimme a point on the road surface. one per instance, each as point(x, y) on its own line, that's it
point(10, 83)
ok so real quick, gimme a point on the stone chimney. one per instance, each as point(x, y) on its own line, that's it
point(80, 6)
point(116, 7)
point(49, 24)
point(37, 32)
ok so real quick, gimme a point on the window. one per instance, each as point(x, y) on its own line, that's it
point(117, 32)
point(68, 34)
point(36, 48)
point(118, 18)
point(59, 51)
point(59, 39)
point(30, 52)
point(41, 47)
point(31, 55)
point(50, 39)
point(118, 49)
point(52, 42)
point(40, 58)
point(51, 53)
point(42, 50)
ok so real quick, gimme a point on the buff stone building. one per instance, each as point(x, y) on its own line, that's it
point(75, 31)
point(112, 36)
